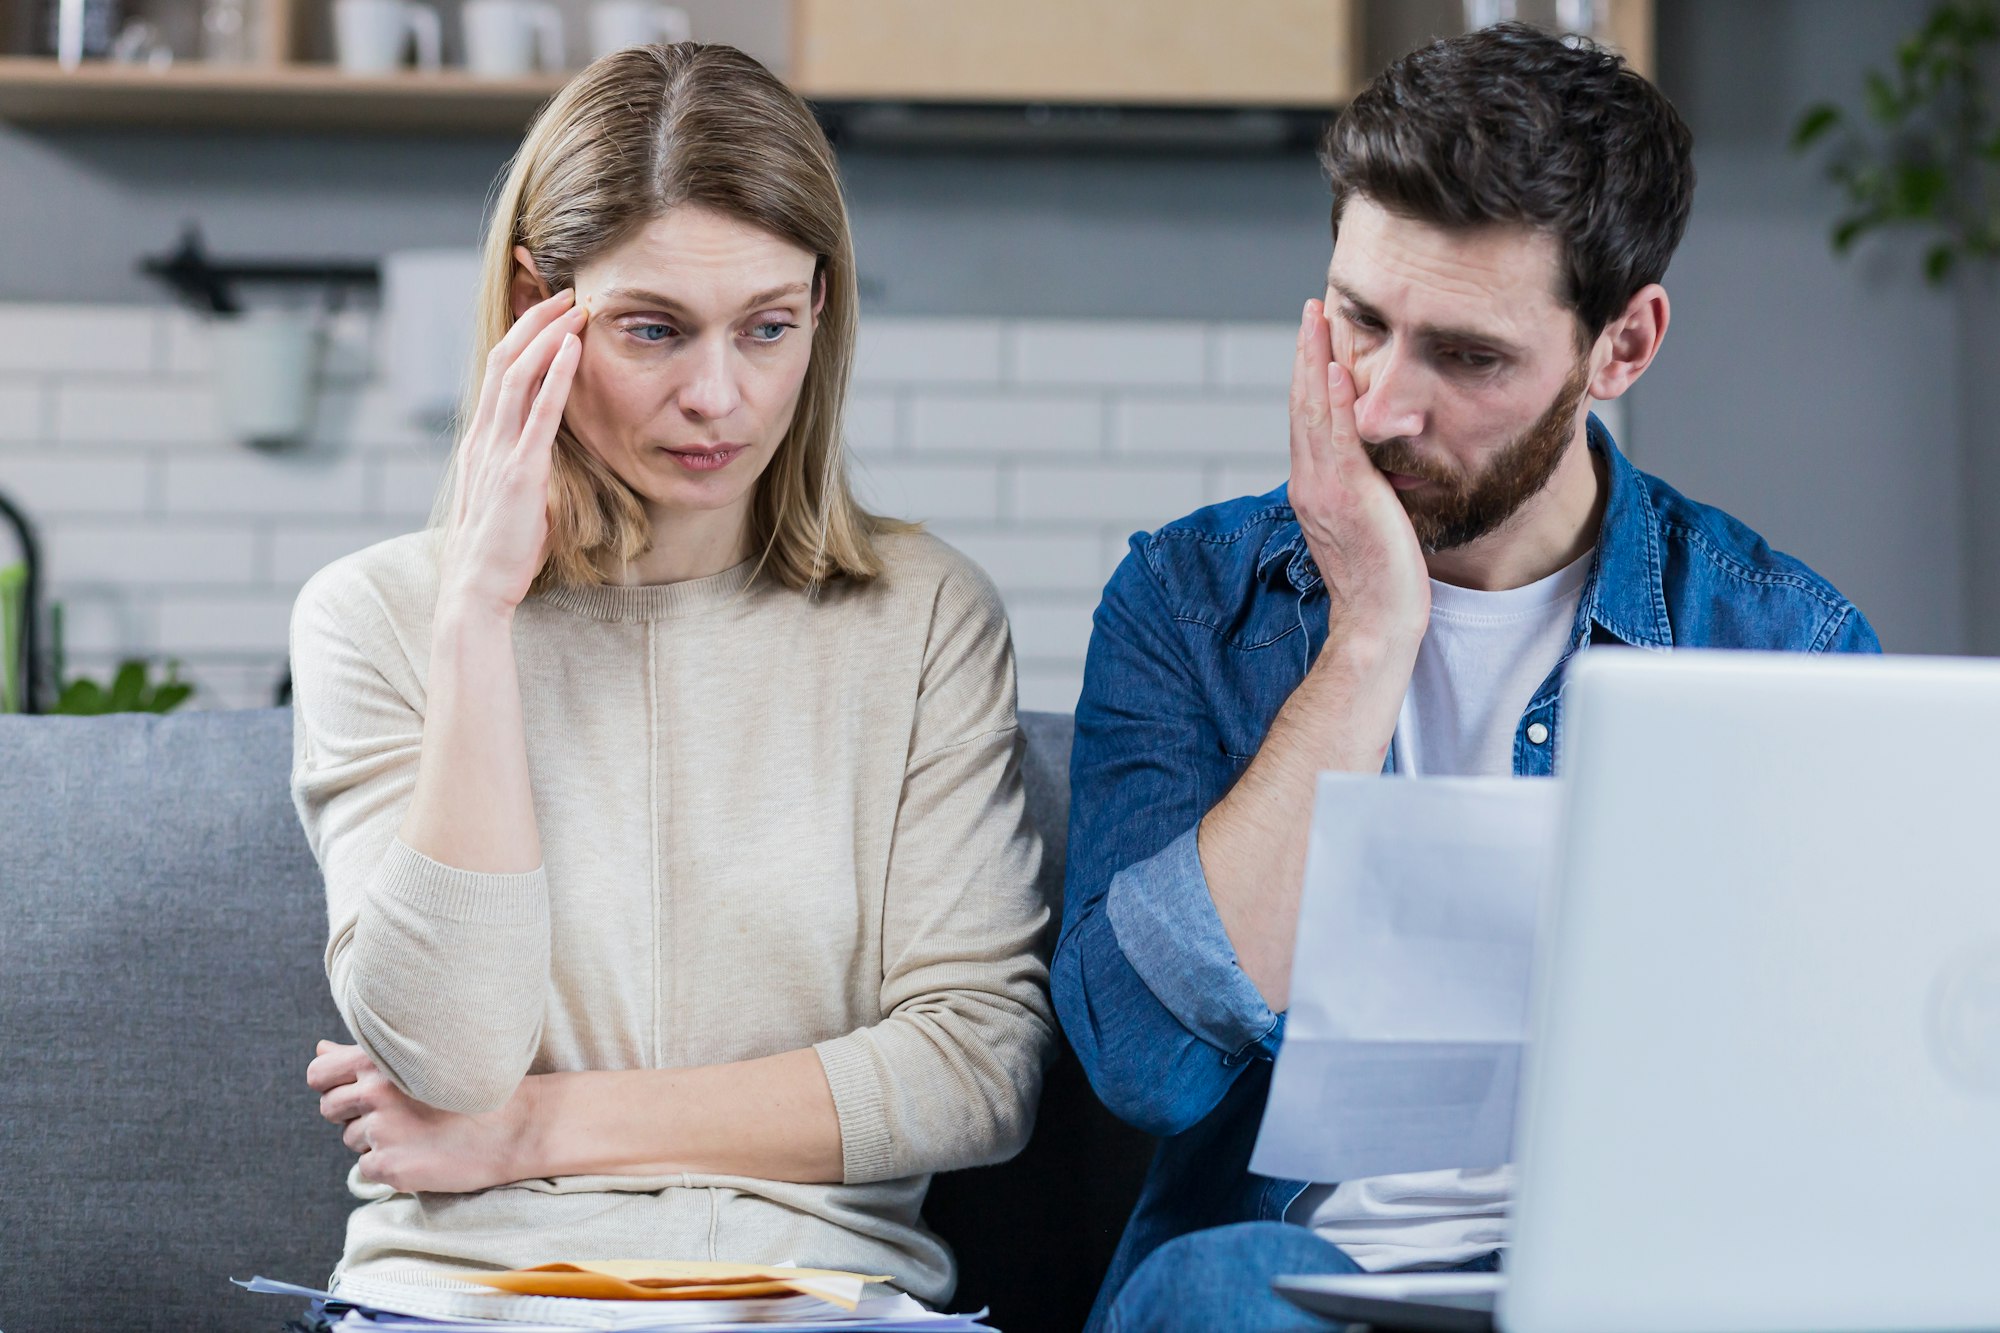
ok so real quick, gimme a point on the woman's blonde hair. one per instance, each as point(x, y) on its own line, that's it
point(638, 133)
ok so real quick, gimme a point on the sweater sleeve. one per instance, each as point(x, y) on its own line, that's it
point(951, 1075)
point(441, 973)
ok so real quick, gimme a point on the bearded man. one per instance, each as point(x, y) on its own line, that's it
point(1457, 526)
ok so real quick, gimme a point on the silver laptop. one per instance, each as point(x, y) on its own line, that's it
point(1762, 1085)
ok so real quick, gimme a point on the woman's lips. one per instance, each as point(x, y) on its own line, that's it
point(707, 459)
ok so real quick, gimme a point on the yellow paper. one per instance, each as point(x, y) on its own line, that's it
point(676, 1280)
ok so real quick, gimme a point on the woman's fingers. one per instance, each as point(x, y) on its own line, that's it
point(355, 1136)
point(538, 433)
point(349, 1101)
point(334, 1065)
point(522, 380)
point(505, 352)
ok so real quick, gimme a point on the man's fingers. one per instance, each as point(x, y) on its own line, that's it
point(355, 1136)
point(1308, 401)
point(1343, 441)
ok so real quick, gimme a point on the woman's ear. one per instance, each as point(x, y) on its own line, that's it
point(525, 289)
point(819, 294)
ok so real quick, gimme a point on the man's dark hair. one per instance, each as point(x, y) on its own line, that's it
point(1511, 125)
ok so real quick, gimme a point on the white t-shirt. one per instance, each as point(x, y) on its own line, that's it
point(1483, 657)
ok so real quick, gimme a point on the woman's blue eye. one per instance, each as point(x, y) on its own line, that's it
point(653, 333)
point(769, 332)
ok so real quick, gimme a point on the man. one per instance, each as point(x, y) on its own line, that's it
point(1455, 528)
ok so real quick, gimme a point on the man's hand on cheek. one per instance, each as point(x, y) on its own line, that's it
point(1359, 535)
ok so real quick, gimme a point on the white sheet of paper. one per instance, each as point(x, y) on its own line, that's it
point(1409, 999)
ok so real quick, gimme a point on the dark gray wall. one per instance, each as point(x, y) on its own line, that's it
point(1817, 398)
point(1830, 403)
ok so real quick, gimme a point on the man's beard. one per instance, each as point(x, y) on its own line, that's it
point(1456, 508)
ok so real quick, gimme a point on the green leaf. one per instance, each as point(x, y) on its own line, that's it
point(1938, 261)
point(169, 697)
point(82, 698)
point(1919, 189)
point(128, 686)
point(1885, 104)
point(1849, 230)
point(1814, 125)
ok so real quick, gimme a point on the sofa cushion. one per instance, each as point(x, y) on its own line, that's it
point(160, 993)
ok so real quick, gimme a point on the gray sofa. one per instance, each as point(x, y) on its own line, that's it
point(161, 923)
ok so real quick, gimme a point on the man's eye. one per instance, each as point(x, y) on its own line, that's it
point(1366, 323)
point(652, 333)
point(769, 332)
point(1475, 360)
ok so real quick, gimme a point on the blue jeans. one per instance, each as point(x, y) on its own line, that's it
point(1221, 1279)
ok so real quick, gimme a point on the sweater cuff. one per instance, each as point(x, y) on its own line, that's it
point(866, 1153)
point(438, 890)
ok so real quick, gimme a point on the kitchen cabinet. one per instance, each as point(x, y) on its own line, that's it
point(1286, 54)
point(1293, 53)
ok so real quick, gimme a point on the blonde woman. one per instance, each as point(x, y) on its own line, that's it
point(680, 894)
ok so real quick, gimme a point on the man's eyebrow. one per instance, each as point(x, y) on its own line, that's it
point(640, 295)
point(1433, 332)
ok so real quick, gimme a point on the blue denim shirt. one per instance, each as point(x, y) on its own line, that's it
point(1204, 631)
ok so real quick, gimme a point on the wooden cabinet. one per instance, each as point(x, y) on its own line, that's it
point(1299, 53)
point(1302, 54)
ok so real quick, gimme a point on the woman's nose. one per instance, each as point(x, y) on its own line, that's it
point(710, 391)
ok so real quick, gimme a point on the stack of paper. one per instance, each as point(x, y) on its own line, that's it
point(631, 1297)
point(1409, 1000)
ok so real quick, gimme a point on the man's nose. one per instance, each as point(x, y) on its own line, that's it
point(1391, 403)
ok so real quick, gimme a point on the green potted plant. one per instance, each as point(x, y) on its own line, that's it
point(1927, 154)
point(132, 688)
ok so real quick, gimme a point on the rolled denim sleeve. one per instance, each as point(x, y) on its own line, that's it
point(1150, 995)
point(1166, 924)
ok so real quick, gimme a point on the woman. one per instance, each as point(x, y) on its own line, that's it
point(669, 804)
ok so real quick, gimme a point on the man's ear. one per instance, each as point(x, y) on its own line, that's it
point(1630, 342)
point(525, 289)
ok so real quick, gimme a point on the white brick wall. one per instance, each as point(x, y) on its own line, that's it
point(1037, 447)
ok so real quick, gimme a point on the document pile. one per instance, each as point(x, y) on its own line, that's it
point(1410, 978)
point(628, 1297)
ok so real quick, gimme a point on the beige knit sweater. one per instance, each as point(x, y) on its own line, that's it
point(768, 820)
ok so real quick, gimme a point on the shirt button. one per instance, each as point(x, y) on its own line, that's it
point(1538, 734)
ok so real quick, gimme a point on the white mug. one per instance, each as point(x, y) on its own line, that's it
point(505, 39)
point(267, 369)
point(617, 24)
point(370, 35)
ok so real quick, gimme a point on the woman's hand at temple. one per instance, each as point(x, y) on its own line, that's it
point(497, 533)
point(473, 808)
point(409, 1146)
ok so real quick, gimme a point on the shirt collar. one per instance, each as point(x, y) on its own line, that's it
point(1626, 594)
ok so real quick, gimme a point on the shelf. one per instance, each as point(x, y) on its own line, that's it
point(36, 91)
point(1280, 55)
